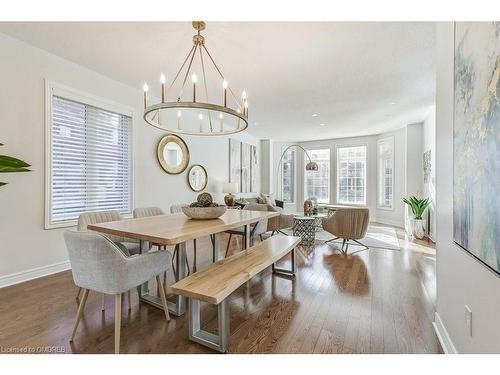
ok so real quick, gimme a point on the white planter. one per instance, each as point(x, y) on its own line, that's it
point(417, 228)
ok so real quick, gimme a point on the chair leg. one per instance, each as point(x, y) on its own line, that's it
point(260, 235)
point(361, 244)
point(129, 301)
point(333, 239)
point(163, 297)
point(78, 294)
point(194, 255)
point(343, 243)
point(103, 302)
point(79, 314)
point(228, 243)
point(272, 234)
point(118, 321)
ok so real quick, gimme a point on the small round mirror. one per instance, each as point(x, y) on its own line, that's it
point(197, 177)
point(173, 154)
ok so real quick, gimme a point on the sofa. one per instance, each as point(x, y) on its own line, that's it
point(278, 223)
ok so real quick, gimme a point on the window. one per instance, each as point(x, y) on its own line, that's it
point(89, 158)
point(385, 152)
point(317, 183)
point(288, 177)
point(351, 175)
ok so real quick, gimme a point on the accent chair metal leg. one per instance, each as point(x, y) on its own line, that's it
point(272, 234)
point(332, 239)
point(219, 342)
point(79, 314)
point(361, 244)
point(280, 231)
point(78, 294)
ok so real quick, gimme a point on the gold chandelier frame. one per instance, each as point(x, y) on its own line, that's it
point(152, 112)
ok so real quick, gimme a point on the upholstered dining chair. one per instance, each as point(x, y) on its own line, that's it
point(257, 229)
point(350, 224)
point(127, 246)
point(98, 264)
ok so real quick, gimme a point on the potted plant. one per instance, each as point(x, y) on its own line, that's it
point(8, 164)
point(418, 206)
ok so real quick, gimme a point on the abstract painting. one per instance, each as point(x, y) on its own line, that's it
point(235, 162)
point(476, 141)
point(245, 168)
point(254, 169)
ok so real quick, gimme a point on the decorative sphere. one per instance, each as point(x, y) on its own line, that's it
point(205, 199)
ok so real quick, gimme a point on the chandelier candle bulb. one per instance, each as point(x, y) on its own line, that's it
point(201, 122)
point(179, 115)
point(245, 110)
point(221, 116)
point(146, 88)
point(194, 78)
point(162, 80)
point(224, 86)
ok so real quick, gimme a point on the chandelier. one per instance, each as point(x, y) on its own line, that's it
point(196, 115)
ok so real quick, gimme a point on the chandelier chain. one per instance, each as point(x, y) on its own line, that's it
point(206, 88)
point(240, 106)
point(187, 72)
point(182, 66)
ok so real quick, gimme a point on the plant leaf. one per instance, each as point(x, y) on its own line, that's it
point(2, 183)
point(13, 169)
point(8, 161)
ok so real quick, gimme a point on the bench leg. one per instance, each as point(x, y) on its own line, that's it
point(219, 342)
point(284, 271)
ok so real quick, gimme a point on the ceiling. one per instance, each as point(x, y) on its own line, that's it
point(360, 78)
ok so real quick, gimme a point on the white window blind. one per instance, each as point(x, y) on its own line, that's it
point(351, 175)
point(317, 183)
point(90, 154)
point(385, 151)
point(288, 177)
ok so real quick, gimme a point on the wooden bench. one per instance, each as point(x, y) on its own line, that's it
point(216, 282)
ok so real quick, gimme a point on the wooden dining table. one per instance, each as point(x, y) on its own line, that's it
point(177, 229)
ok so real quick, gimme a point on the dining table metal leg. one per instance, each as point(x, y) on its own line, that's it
point(248, 240)
point(178, 307)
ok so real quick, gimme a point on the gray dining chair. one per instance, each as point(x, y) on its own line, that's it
point(127, 246)
point(98, 264)
point(257, 229)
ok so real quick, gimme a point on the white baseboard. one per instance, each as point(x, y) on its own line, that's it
point(34, 273)
point(393, 223)
point(443, 336)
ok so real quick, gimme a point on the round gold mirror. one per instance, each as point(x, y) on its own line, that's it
point(197, 177)
point(173, 154)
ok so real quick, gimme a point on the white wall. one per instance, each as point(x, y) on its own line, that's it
point(414, 165)
point(461, 280)
point(24, 244)
point(429, 189)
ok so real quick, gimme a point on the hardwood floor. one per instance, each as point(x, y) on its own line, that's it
point(375, 301)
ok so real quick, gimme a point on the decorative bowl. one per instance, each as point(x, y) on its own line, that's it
point(204, 213)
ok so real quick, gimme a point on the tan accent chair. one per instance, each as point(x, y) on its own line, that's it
point(278, 223)
point(350, 224)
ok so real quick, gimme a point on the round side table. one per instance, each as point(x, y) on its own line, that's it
point(304, 227)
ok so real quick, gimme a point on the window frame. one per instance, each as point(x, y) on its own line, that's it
point(53, 88)
point(337, 171)
point(294, 174)
point(306, 160)
point(380, 141)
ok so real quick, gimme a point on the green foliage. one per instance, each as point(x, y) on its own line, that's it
point(417, 205)
point(8, 164)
